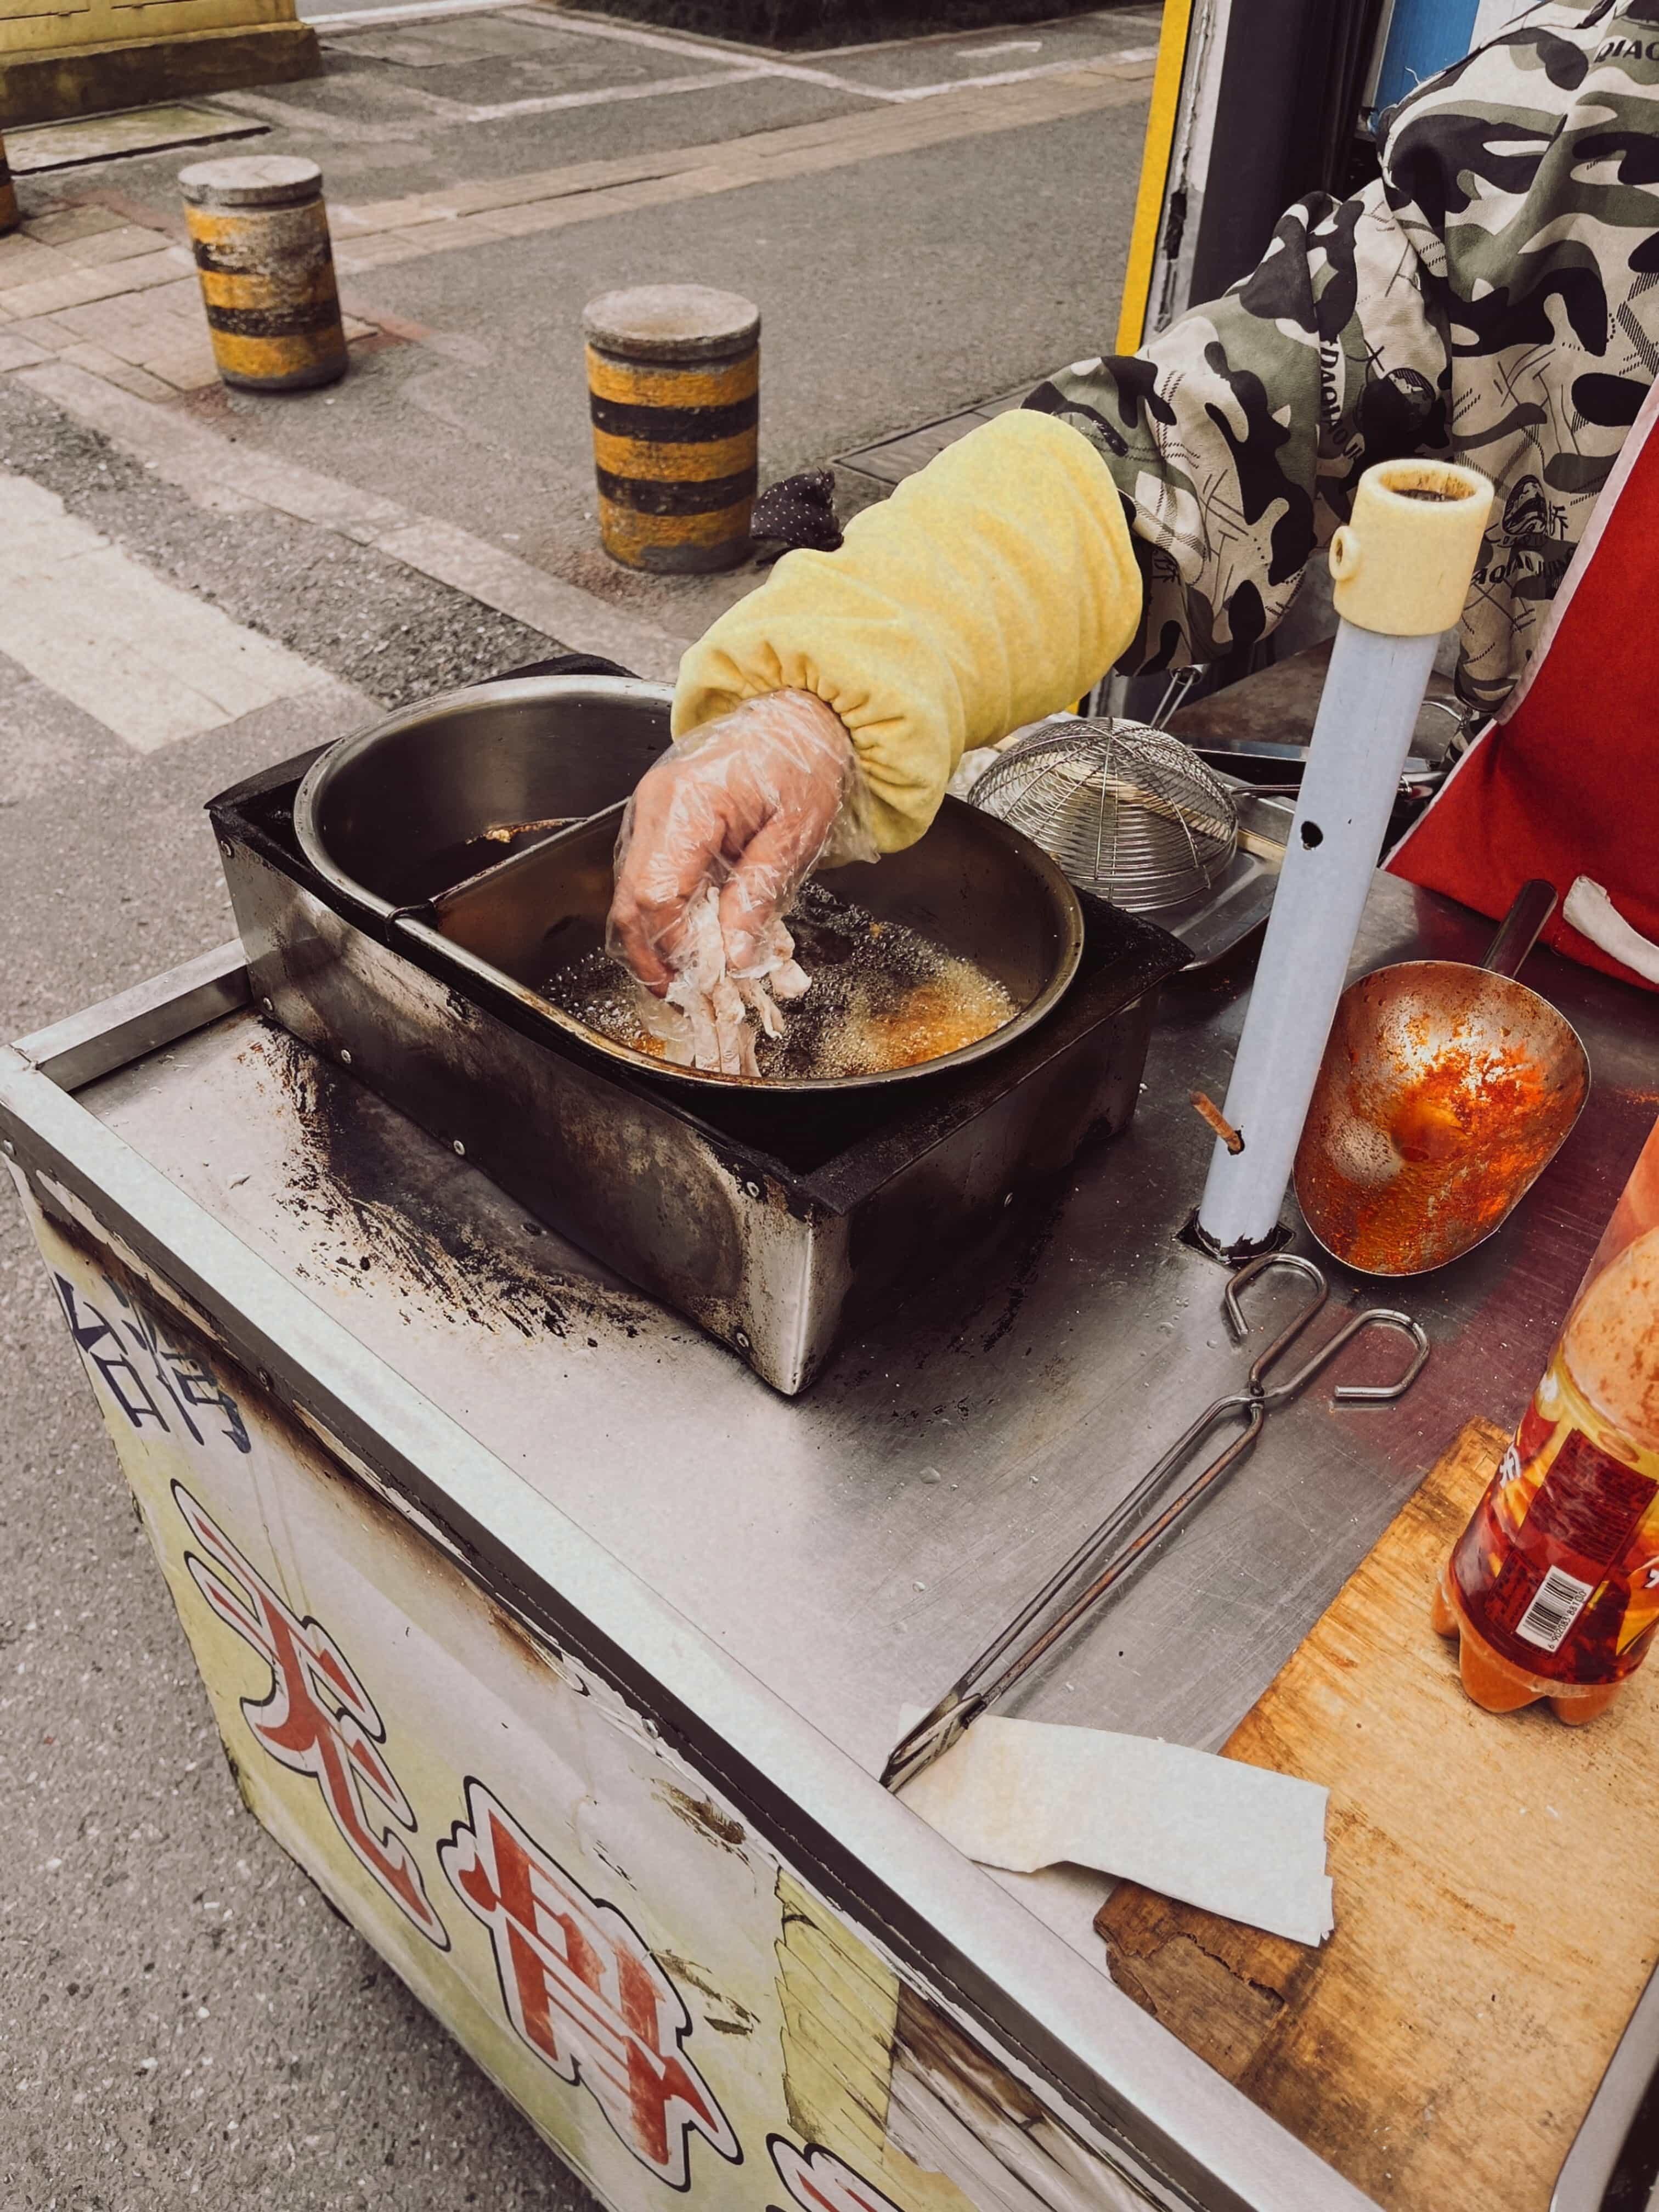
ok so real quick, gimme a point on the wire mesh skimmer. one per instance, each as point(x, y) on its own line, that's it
point(1129, 811)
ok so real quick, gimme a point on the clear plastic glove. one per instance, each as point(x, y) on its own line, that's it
point(709, 1019)
point(745, 808)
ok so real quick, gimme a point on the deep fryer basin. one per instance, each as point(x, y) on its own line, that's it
point(406, 809)
point(972, 886)
point(777, 1223)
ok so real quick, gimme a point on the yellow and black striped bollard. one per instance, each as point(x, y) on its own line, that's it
point(260, 234)
point(673, 373)
point(9, 215)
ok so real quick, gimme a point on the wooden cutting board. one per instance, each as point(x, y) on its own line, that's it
point(1497, 1899)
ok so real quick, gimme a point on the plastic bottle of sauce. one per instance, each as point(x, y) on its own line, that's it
point(1553, 1586)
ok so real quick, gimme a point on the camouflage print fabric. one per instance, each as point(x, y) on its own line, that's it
point(1494, 299)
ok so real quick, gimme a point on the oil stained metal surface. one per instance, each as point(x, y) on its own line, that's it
point(855, 1547)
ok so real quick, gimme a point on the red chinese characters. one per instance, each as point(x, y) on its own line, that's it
point(819, 2182)
point(318, 1718)
point(583, 1991)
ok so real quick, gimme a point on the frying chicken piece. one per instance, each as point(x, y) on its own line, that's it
point(710, 1018)
point(788, 980)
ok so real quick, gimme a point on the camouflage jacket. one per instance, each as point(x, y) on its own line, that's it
point(1493, 299)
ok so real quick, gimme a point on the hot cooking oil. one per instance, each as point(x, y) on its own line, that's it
point(882, 996)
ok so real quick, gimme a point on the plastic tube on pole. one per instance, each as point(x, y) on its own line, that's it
point(1402, 567)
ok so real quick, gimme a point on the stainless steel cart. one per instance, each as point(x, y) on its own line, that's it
point(564, 1654)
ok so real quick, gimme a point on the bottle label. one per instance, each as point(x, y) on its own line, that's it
point(1559, 1569)
point(1590, 1502)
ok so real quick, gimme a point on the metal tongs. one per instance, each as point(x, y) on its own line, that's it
point(995, 1673)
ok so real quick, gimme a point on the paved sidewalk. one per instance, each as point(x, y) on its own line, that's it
point(229, 477)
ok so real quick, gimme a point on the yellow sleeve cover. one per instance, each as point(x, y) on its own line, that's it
point(993, 588)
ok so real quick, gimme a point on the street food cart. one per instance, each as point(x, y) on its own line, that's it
point(571, 1496)
point(565, 1653)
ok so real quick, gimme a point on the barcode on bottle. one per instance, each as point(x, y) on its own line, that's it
point(1557, 1603)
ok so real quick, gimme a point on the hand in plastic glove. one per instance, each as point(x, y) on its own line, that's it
point(749, 803)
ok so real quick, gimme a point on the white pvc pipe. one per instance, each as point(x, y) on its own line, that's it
point(1367, 713)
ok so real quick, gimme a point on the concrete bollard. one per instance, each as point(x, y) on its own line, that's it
point(673, 374)
point(10, 215)
point(260, 234)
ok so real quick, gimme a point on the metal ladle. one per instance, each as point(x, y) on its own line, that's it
point(1445, 1092)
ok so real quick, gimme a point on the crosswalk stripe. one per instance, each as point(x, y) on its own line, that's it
point(147, 661)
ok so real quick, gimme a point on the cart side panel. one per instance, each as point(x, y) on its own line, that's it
point(671, 2006)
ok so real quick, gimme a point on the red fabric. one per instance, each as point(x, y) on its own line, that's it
point(1567, 785)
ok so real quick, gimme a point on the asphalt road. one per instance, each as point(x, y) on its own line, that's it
point(892, 290)
point(182, 2020)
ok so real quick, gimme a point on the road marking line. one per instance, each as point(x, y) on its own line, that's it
point(745, 67)
point(526, 11)
point(1131, 54)
point(290, 115)
point(414, 12)
point(568, 18)
point(738, 71)
point(207, 466)
point(1135, 15)
point(744, 62)
point(663, 42)
point(608, 96)
point(832, 79)
point(149, 660)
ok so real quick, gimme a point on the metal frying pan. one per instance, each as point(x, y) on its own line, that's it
point(443, 822)
point(972, 886)
point(1445, 1091)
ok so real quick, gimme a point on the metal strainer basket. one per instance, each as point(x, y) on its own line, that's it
point(1129, 811)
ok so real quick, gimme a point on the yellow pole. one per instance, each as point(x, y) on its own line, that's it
point(1154, 173)
point(259, 230)
point(673, 375)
